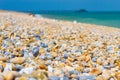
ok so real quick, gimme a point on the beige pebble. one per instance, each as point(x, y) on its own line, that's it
point(3, 58)
point(40, 74)
point(18, 60)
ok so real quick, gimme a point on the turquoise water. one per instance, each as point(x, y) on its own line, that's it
point(111, 19)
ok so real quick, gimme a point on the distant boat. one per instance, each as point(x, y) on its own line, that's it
point(82, 10)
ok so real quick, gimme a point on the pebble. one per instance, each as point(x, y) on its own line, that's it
point(10, 75)
point(40, 75)
point(66, 55)
point(28, 70)
point(96, 71)
point(1, 68)
point(42, 57)
point(49, 56)
point(31, 78)
point(35, 51)
point(37, 37)
point(110, 49)
point(19, 67)
point(8, 67)
point(64, 78)
point(50, 69)
point(54, 78)
point(86, 77)
point(17, 60)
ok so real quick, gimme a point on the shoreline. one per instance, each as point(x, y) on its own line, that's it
point(34, 47)
point(28, 13)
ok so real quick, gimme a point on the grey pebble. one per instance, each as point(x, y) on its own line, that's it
point(54, 78)
point(35, 51)
point(64, 78)
point(92, 77)
point(42, 57)
point(66, 55)
point(49, 56)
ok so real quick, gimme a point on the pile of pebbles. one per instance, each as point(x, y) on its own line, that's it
point(33, 48)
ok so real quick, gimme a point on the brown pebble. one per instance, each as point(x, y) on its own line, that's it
point(96, 71)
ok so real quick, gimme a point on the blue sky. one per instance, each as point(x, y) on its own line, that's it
point(91, 5)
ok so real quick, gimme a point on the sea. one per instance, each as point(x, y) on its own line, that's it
point(110, 19)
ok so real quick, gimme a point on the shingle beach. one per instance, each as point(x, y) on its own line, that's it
point(37, 48)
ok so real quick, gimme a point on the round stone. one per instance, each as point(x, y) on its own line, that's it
point(35, 51)
point(66, 55)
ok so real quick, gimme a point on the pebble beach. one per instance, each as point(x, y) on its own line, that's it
point(37, 48)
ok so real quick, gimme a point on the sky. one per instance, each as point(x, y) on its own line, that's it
point(90, 5)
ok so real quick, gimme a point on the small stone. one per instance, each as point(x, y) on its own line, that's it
point(43, 45)
point(28, 70)
point(37, 37)
point(54, 78)
point(99, 61)
point(106, 74)
point(48, 62)
point(94, 59)
point(35, 51)
point(1, 68)
point(3, 58)
point(66, 55)
point(7, 53)
point(8, 67)
point(40, 74)
point(25, 53)
point(17, 60)
point(19, 67)
point(49, 56)
point(80, 68)
point(50, 69)
point(54, 54)
point(110, 49)
point(91, 77)
point(86, 70)
point(64, 78)
point(43, 66)
point(31, 78)
point(96, 71)
point(109, 66)
point(42, 57)
point(10, 75)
